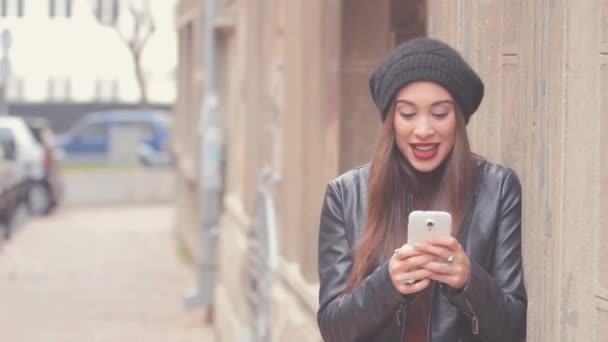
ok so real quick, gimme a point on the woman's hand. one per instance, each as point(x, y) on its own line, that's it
point(451, 265)
point(406, 269)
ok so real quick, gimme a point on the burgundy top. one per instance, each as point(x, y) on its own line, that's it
point(417, 317)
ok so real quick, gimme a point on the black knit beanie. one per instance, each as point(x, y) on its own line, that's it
point(425, 59)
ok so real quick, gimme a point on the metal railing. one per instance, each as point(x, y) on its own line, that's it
point(262, 256)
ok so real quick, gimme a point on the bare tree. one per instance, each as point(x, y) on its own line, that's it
point(143, 27)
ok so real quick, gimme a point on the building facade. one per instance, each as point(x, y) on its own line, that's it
point(294, 98)
point(70, 51)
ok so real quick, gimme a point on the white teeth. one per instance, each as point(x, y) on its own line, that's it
point(425, 148)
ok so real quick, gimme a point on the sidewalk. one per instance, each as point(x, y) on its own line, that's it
point(96, 274)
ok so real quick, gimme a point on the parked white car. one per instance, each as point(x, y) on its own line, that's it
point(13, 188)
point(29, 158)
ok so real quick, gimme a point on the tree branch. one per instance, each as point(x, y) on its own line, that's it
point(143, 28)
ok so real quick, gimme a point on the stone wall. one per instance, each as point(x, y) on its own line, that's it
point(544, 66)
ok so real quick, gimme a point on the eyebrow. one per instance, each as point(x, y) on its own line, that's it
point(432, 104)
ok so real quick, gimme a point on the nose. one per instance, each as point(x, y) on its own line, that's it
point(423, 128)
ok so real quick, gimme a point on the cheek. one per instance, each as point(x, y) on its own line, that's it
point(448, 136)
point(447, 131)
point(403, 130)
point(402, 137)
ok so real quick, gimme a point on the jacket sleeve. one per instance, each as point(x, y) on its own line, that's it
point(356, 315)
point(495, 300)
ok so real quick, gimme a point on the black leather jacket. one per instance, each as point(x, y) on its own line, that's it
point(492, 306)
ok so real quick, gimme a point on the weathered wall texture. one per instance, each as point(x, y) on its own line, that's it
point(544, 66)
point(272, 56)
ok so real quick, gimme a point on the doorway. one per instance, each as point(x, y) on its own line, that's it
point(369, 30)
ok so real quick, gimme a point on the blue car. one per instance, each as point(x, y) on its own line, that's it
point(117, 136)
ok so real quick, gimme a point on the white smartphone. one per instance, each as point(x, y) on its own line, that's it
point(423, 225)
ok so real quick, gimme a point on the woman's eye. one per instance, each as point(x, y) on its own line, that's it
point(407, 115)
point(440, 115)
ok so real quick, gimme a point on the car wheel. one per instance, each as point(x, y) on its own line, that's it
point(6, 231)
point(39, 199)
point(17, 220)
point(143, 161)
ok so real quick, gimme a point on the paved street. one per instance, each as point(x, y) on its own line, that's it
point(113, 186)
point(96, 274)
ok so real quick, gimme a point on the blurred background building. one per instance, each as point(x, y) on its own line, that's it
point(71, 56)
point(293, 97)
point(91, 82)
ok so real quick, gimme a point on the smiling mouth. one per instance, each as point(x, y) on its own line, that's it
point(424, 151)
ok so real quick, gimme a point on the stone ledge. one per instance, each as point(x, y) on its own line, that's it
point(304, 291)
point(601, 296)
point(234, 210)
point(229, 325)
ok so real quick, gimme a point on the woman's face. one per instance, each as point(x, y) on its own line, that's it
point(425, 122)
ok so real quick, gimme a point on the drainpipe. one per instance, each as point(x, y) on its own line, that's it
point(5, 69)
point(210, 168)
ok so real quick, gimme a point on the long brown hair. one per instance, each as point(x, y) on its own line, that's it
point(393, 183)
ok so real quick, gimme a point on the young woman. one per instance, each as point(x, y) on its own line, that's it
point(465, 287)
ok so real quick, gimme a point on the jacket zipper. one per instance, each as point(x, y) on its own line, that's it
point(400, 320)
point(473, 315)
point(474, 319)
point(400, 313)
point(470, 205)
point(467, 213)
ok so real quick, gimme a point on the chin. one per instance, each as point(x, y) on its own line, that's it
point(425, 168)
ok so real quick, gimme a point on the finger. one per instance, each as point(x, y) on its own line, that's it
point(443, 268)
point(440, 251)
point(406, 251)
point(414, 262)
point(442, 278)
point(414, 288)
point(399, 260)
point(416, 275)
point(420, 260)
point(448, 242)
point(455, 283)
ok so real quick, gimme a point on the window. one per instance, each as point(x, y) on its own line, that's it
point(11, 8)
point(59, 89)
point(14, 89)
point(92, 131)
point(106, 90)
point(144, 129)
point(60, 8)
point(107, 11)
point(7, 143)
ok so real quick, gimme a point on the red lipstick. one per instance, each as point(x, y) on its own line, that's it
point(425, 151)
